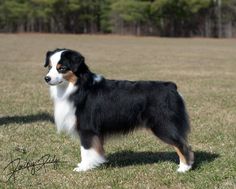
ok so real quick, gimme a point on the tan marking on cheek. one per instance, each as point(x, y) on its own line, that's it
point(97, 144)
point(70, 77)
point(58, 66)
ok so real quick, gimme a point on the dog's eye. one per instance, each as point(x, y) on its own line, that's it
point(49, 67)
point(62, 69)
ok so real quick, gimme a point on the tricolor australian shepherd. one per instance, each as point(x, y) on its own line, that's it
point(92, 107)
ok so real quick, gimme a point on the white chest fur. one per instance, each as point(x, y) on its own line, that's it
point(64, 109)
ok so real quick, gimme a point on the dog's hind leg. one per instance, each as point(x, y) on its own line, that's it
point(186, 157)
point(171, 136)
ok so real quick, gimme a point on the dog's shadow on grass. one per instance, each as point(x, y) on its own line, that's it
point(129, 158)
point(4, 121)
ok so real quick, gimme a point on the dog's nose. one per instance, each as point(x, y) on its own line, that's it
point(47, 79)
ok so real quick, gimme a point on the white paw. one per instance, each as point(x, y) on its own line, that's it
point(83, 167)
point(90, 159)
point(183, 167)
point(77, 169)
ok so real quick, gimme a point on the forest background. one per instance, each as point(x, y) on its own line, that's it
point(169, 18)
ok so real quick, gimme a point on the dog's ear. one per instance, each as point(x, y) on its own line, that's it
point(49, 53)
point(76, 62)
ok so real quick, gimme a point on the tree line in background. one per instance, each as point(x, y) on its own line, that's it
point(176, 18)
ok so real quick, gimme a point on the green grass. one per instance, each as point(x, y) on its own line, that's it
point(204, 69)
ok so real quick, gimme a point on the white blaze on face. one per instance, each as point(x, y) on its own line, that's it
point(56, 77)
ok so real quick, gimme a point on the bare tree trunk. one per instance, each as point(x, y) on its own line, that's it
point(219, 20)
point(207, 27)
point(138, 29)
point(228, 29)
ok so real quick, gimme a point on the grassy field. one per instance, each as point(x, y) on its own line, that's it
point(204, 69)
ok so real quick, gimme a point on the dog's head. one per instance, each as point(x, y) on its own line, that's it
point(64, 65)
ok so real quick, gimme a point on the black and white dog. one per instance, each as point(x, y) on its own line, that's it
point(92, 107)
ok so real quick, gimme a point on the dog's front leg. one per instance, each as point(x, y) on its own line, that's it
point(92, 152)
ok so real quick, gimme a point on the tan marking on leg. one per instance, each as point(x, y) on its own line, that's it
point(97, 144)
point(70, 77)
point(181, 156)
point(190, 158)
